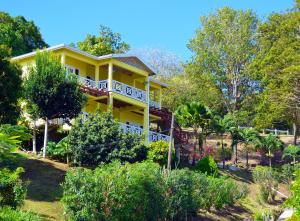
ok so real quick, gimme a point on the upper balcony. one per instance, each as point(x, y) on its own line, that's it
point(120, 88)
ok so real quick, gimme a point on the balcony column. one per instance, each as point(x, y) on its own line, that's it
point(146, 111)
point(63, 59)
point(97, 74)
point(110, 87)
point(160, 96)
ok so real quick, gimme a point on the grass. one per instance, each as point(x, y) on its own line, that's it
point(44, 191)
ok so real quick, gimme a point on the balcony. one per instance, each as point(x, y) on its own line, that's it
point(154, 104)
point(153, 136)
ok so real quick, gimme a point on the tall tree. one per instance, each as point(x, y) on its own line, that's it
point(223, 48)
point(108, 42)
point(10, 88)
point(20, 35)
point(270, 144)
point(277, 66)
point(250, 139)
point(54, 94)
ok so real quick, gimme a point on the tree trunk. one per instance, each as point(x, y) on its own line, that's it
point(34, 137)
point(45, 137)
point(234, 154)
point(170, 144)
point(223, 157)
point(270, 159)
point(67, 159)
point(195, 145)
point(247, 158)
point(295, 128)
point(294, 160)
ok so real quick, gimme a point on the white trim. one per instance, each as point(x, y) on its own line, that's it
point(158, 82)
point(63, 46)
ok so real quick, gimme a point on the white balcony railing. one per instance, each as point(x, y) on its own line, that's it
point(127, 128)
point(154, 136)
point(86, 82)
point(154, 104)
point(129, 91)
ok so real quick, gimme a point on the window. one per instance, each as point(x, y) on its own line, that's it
point(72, 70)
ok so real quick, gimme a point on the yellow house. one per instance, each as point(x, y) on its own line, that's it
point(118, 82)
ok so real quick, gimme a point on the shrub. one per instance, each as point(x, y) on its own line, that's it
point(207, 165)
point(59, 151)
point(266, 178)
point(124, 192)
point(294, 200)
point(12, 191)
point(99, 139)
point(8, 214)
point(158, 152)
point(181, 197)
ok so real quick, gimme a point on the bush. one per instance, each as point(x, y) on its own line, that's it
point(142, 191)
point(124, 192)
point(59, 151)
point(158, 152)
point(8, 214)
point(266, 178)
point(207, 165)
point(294, 200)
point(99, 138)
point(12, 191)
point(182, 194)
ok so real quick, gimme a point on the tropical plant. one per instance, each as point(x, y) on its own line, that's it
point(8, 143)
point(196, 116)
point(292, 151)
point(99, 138)
point(54, 94)
point(270, 144)
point(12, 190)
point(250, 139)
point(60, 151)
point(108, 42)
point(207, 165)
point(10, 86)
point(266, 178)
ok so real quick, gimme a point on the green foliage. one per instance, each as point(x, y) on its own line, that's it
point(227, 153)
point(20, 131)
point(266, 178)
point(7, 143)
point(287, 172)
point(108, 42)
point(9, 214)
point(124, 192)
point(99, 138)
point(158, 152)
point(12, 190)
point(20, 35)
point(207, 165)
point(263, 215)
point(223, 48)
point(54, 94)
point(182, 193)
point(142, 191)
point(10, 86)
point(291, 151)
point(270, 144)
point(277, 67)
point(60, 150)
point(294, 200)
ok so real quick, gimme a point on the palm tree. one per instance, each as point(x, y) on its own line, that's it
point(196, 116)
point(291, 151)
point(250, 138)
point(270, 144)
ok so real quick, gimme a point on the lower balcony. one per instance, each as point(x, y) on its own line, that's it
point(153, 136)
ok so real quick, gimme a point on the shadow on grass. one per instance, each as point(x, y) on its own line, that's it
point(43, 180)
point(240, 175)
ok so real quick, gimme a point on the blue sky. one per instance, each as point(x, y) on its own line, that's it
point(167, 24)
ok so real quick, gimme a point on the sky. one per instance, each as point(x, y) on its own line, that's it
point(165, 24)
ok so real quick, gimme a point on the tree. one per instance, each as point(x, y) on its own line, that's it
point(277, 67)
point(291, 151)
point(10, 88)
point(54, 94)
point(270, 144)
point(250, 139)
point(20, 35)
point(99, 139)
point(108, 42)
point(223, 48)
point(198, 117)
